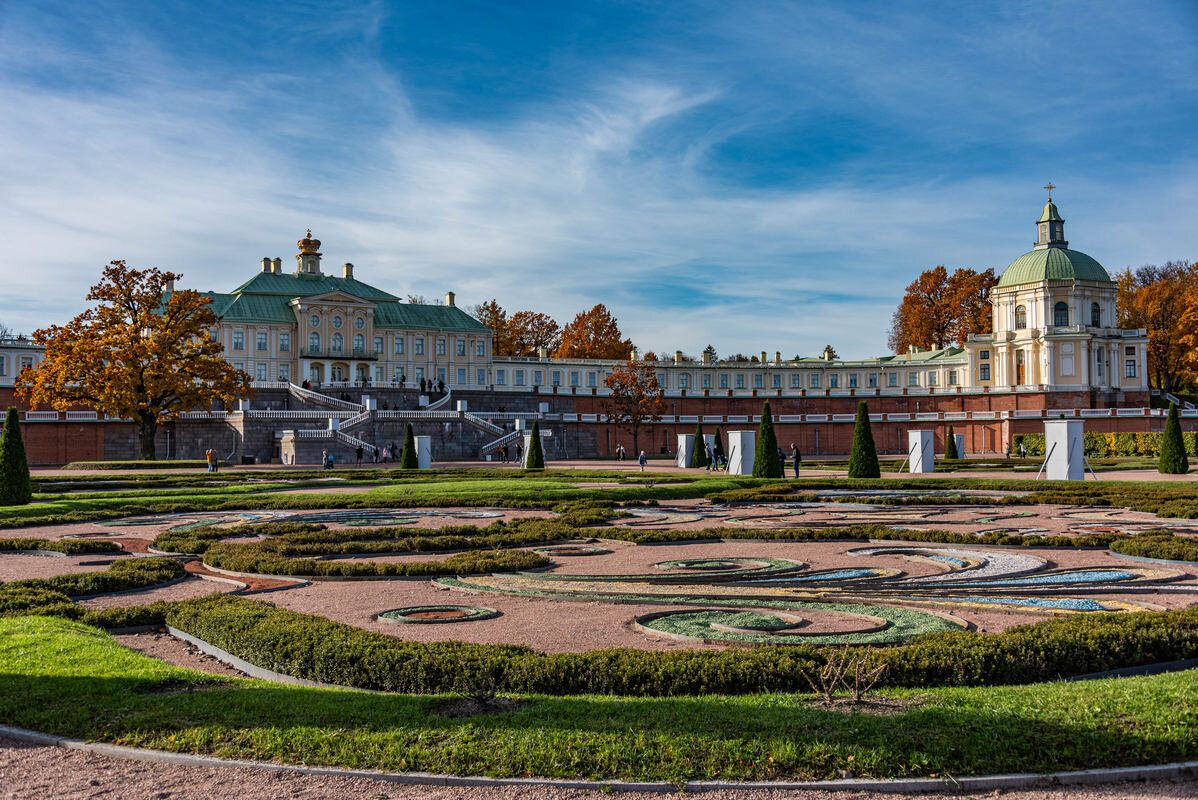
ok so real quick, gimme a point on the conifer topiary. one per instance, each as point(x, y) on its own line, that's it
point(863, 460)
point(535, 458)
point(766, 463)
point(717, 447)
point(950, 446)
point(15, 487)
point(1173, 459)
point(699, 451)
point(411, 459)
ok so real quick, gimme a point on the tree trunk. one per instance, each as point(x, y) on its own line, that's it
point(147, 428)
point(636, 450)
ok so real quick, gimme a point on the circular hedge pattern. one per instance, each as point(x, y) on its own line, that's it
point(433, 615)
point(573, 550)
point(717, 564)
point(872, 625)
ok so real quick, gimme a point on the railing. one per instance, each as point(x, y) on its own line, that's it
point(296, 414)
point(355, 420)
point(301, 393)
point(41, 416)
point(481, 423)
point(80, 416)
point(433, 406)
point(352, 441)
point(507, 438)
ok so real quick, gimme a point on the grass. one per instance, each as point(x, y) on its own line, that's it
point(67, 679)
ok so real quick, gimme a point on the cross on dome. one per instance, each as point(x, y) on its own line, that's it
point(1049, 187)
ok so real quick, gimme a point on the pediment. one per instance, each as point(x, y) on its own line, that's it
point(333, 298)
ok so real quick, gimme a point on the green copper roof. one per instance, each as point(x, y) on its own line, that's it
point(1053, 264)
point(292, 285)
point(1050, 213)
point(411, 315)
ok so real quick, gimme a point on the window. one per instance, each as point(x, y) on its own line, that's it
point(359, 323)
point(517, 376)
point(26, 363)
point(740, 381)
point(261, 373)
point(3, 365)
point(1130, 350)
point(984, 355)
point(892, 379)
point(1060, 314)
point(418, 345)
point(707, 380)
point(538, 377)
point(461, 348)
point(952, 377)
point(336, 322)
point(480, 349)
point(378, 375)
point(933, 378)
point(556, 377)
point(796, 380)
point(1096, 315)
point(758, 381)
point(684, 381)
point(1020, 317)
point(480, 377)
point(853, 381)
point(833, 381)
point(419, 375)
point(461, 376)
point(336, 343)
point(440, 346)
point(872, 380)
point(284, 372)
point(912, 378)
point(984, 372)
point(260, 341)
point(592, 379)
point(501, 377)
point(777, 381)
point(573, 378)
point(359, 344)
point(314, 321)
point(724, 381)
point(284, 342)
point(397, 348)
point(813, 381)
point(238, 365)
point(441, 374)
point(238, 340)
point(378, 345)
point(1129, 368)
point(313, 342)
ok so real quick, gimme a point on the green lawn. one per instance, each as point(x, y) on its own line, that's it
point(68, 679)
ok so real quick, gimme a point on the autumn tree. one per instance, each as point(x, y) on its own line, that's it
point(829, 353)
point(635, 398)
point(938, 309)
point(711, 353)
point(142, 352)
point(528, 331)
point(494, 317)
point(593, 334)
point(1163, 300)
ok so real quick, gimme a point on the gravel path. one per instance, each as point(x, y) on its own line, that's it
point(33, 772)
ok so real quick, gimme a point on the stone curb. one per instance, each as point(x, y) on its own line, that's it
point(1184, 769)
point(252, 670)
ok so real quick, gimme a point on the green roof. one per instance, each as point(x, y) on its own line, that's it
point(293, 285)
point(1050, 213)
point(267, 298)
point(1053, 264)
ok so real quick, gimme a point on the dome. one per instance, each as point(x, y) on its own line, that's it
point(1053, 264)
point(308, 244)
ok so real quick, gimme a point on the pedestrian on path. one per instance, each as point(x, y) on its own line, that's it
point(796, 456)
point(519, 452)
point(710, 457)
point(641, 460)
point(210, 456)
point(358, 456)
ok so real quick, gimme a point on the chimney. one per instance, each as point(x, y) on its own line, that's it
point(347, 270)
point(706, 357)
point(777, 357)
point(266, 265)
point(277, 266)
point(542, 352)
point(677, 356)
point(449, 298)
point(170, 285)
point(636, 354)
point(762, 356)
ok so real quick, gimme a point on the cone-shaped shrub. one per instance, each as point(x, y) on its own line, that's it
point(766, 463)
point(410, 460)
point(535, 458)
point(950, 446)
point(1173, 447)
point(699, 452)
point(15, 488)
point(863, 460)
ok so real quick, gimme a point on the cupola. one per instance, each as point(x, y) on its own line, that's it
point(308, 258)
point(1050, 227)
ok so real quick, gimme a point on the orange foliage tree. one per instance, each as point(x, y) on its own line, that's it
point(1164, 300)
point(142, 353)
point(635, 398)
point(494, 317)
point(529, 330)
point(594, 334)
point(939, 308)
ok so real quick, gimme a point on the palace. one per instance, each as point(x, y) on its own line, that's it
point(338, 364)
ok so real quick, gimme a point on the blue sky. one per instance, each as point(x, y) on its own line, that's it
point(757, 175)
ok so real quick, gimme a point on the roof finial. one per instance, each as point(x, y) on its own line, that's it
point(309, 233)
point(1049, 187)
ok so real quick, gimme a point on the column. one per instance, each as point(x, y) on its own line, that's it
point(1083, 359)
point(1049, 377)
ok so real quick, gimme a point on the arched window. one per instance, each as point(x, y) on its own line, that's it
point(1020, 317)
point(314, 342)
point(1096, 315)
point(336, 343)
point(1060, 314)
point(359, 343)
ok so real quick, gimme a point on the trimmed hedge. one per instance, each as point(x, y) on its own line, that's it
point(318, 649)
point(766, 463)
point(126, 465)
point(256, 559)
point(1110, 444)
point(863, 459)
point(1158, 544)
point(121, 576)
point(1172, 447)
point(15, 487)
point(71, 547)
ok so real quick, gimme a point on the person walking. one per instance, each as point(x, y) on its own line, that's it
point(1022, 450)
point(796, 456)
point(358, 456)
point(386, 454)
point(503, 453)
point(519, 452)
point(710, 456)
point(782, 462)
point(210, 457)
point(641, 460)
point(324, 460)
point(374, 453)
